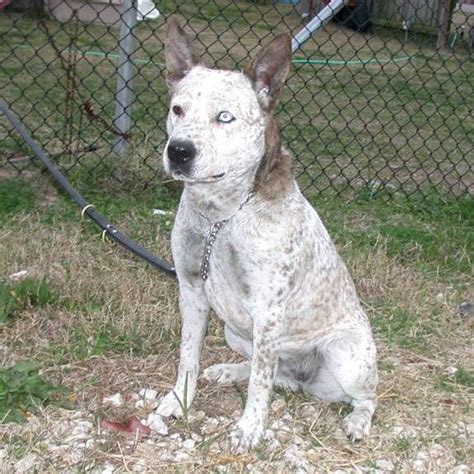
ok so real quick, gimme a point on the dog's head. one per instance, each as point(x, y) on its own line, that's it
point(218, 120)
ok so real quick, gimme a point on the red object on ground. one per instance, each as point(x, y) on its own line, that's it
point(133, 426)
point(4, 3)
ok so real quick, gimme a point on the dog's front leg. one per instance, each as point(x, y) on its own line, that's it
point(194, 309)
point(250, 429)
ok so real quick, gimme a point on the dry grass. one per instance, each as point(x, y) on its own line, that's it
point(116, 329)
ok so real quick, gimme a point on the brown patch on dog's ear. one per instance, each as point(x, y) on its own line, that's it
point(269, 70)
point(179, 54)
point(275, 174)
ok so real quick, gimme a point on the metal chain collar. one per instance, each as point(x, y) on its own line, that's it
point(211, 238)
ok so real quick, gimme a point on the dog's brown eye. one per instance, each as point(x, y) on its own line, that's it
point(177, 110)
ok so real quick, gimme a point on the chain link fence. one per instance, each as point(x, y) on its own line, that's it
point(379, 100)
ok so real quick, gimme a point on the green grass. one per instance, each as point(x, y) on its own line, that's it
point(86, 341)
point(23, 390)
point(15, 196)
point(27, 293)
point(462, 377)
point(435, 235)
point(8, 303)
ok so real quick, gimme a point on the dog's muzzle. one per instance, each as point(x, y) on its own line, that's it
point(181, 154)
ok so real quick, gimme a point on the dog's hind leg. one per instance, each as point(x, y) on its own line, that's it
point(348, 373)
point(231, 373)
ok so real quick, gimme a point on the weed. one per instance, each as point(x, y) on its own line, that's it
point(85, 342)
point(184, 404)
point(205, 445)
point(15, 196)
point(27, 293)
point(8, 304)
point(462, 377)
point(35, 292)
point(402, 445)
point(400, 327)
point(23, 390)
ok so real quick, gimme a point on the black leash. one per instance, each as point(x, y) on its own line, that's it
point(87, 208)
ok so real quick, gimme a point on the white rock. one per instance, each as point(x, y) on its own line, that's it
point(166, 456)
point(150, 404)
point(405, 430)
point(25, 464)
point(161, 212)
point(180, 456)
point(423, 455)
point(298, 440)
point(436, 451)
point(419, 465)
point(384, 465)
point(461, 469)
point(196, 437)
point(309, 411)
point(156, 423)
point(148, 393)
point(140, 466)
point(189, 444)
point(421, 461)
point(107, 468)
point(3, 453)
point(18, 275)
point(80, 431)
point(273, 444)
point(278, 405)
point(451, 370)
point(211, 425)
point(295, 457)
point(90, 443)
point(115, 400)
point(75, 455)
point(268, 435)
point(196, 415)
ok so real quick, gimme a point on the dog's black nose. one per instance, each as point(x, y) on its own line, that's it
point(181, 152)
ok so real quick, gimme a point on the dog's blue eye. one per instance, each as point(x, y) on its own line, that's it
point(225, 117)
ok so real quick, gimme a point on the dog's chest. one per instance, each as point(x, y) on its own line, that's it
point(228, 284)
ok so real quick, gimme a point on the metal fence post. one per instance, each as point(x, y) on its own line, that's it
point(124, 91)
point(325, 15)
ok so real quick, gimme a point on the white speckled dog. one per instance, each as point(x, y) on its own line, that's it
point(247, 244)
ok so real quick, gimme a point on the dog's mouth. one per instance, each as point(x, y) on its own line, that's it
point(206, 179)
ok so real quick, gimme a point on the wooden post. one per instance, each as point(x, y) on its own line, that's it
point(444, 22)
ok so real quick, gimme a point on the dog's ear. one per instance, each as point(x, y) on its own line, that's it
point(269, 69)
point(179, 55)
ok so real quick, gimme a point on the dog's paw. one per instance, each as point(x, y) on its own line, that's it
point(227, 373)
point(356, 425)
point(170, 406)
point(246, 434)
